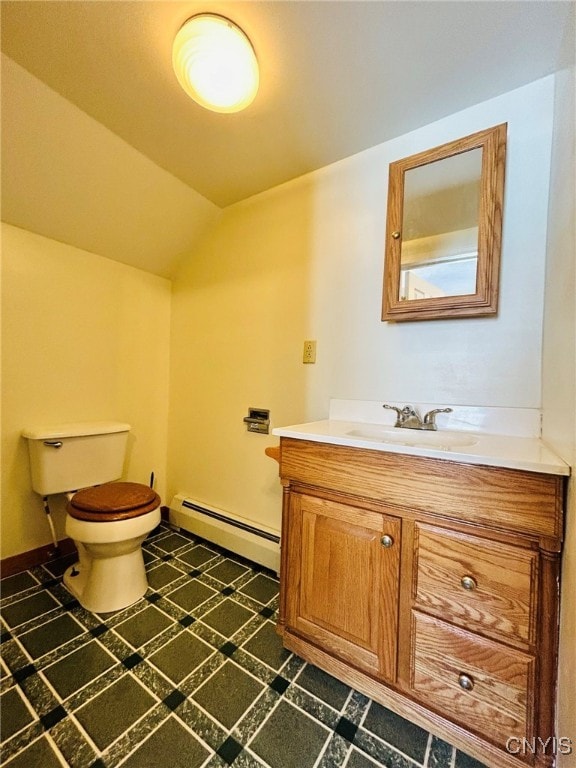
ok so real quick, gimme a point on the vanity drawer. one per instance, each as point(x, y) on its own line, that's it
point(485, 585)
point(477, 682)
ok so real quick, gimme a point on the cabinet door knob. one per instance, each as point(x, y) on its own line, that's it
point(465, 681)
point(387, 541)
point(468, 582)
point(396, 235)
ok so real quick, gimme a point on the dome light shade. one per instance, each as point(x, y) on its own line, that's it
point(215, 63)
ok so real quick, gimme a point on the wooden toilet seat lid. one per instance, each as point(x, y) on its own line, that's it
point(113, 501)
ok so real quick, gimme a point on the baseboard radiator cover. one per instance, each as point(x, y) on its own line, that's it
point(251, 540)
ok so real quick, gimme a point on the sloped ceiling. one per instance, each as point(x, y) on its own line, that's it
point(129, 167)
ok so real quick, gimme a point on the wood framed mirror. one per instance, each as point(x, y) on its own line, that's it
point(444, 230)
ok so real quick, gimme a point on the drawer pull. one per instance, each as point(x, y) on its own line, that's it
point(387, 541)
point(468, 583)
point(466, 682)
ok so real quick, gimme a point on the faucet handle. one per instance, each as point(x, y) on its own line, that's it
point(399, 413)
point(430, 417)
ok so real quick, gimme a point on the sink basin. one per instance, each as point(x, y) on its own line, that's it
point(415, 437)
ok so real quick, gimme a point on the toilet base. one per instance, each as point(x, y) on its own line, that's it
point(106, 584)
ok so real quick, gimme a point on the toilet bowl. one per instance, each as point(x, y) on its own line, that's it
point(108, 524)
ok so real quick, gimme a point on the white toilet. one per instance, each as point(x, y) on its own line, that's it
point(108, 521)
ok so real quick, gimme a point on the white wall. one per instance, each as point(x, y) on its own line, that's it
point(491, 361)
point(559, 373)
point(305, 261)
point(85, 338)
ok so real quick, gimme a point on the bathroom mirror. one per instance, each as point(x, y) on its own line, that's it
point(444, 229)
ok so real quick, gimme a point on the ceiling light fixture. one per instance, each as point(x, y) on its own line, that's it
point(215, 63)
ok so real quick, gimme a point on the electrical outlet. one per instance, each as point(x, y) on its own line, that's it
point(309, 353)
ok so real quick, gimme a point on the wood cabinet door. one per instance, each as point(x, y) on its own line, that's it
point(342, 581)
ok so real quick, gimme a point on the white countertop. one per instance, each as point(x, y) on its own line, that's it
point(497, 450)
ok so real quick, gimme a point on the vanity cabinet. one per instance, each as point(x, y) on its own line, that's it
point(431, 586)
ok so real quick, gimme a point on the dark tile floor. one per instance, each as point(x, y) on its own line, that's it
point(192, 676)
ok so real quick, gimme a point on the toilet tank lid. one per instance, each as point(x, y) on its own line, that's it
point(77, 429)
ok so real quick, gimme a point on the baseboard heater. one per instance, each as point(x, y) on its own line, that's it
point(251, 540)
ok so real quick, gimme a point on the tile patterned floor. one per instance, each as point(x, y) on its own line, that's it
point(192, 676)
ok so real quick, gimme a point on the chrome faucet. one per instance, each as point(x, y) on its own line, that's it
point(408, 417)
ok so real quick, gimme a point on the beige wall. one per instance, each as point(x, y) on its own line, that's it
point(239, 316)
point(559, 374)
point(67, 177)
point(305, 261)
point(84, 338)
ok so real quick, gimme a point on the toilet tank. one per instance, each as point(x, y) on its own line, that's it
point(66, 457)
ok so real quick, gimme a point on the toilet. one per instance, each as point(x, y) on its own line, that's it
point(107, 520)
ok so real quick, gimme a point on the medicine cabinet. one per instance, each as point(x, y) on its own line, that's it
point(444, 230)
